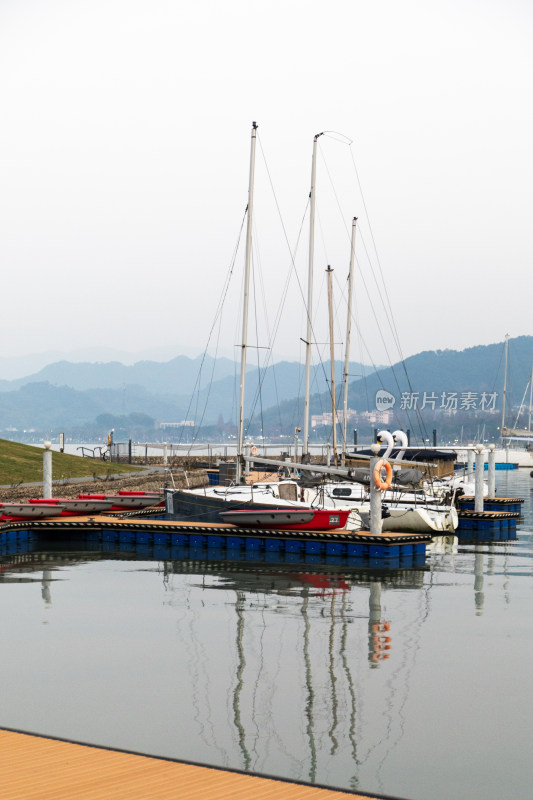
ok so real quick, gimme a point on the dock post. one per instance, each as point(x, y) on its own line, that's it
point(165, 455)
point(376, 523)
point(492, 471)
point(470, 465)
point(47, 471)
point(480, 477)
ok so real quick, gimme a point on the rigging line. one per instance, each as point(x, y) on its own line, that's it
point(376, 252)
point(521, 404)
point(391, 365)
point(218, 314)
point(308, 311)
point(390, 319)
point(377, 373)
point(210, 385)
point(357, 261)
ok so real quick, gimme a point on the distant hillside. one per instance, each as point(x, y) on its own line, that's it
point(63, 395)
point(177, 376)
point(439, 374)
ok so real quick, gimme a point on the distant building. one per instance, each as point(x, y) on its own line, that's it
point(185, 423)
point(351, 417)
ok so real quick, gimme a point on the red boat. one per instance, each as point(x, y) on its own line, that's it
point(69, 507)
point(301, 519)
point(157, 497)
point(121, 502)
point(18, 511)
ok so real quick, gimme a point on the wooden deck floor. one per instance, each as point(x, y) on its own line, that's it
point(33, 767)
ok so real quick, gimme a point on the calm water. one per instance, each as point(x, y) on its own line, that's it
point(283, 672)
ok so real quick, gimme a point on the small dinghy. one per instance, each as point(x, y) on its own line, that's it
point(156, 497)
point(28, 511)
point(302, 519)
point(121, 502)
point(68, 506)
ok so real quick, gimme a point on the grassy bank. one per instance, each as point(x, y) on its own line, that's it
point(22, 463)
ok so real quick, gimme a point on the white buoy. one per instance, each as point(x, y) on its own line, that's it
point(376, 522)
point(47, 471)
point(492, 471)
point(480, 477)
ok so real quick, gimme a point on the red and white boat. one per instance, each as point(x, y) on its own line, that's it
point(12, 511)
point(302, 519)
point(157, 497)
point(68, 506)
point(121, 502)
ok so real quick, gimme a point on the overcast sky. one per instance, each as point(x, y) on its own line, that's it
point(124, 151)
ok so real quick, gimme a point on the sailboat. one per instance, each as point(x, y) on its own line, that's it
point(283, 494)
point(207, 503)
point(517, 443)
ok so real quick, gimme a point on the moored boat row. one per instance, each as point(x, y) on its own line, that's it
point(82, 505)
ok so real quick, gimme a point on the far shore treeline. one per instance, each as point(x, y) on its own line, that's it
point(457, 392)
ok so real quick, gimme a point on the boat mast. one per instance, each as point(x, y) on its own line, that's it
point(329, 273)
point(240, 440)
point(347, 346)
point(505, 382)
point(530, 399)
point(305, 448)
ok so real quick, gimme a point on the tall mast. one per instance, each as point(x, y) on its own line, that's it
point(248, 258)
point(347, 346)
point(505, 381)
point(530, 399)
point(329, 273)
point(305, 449)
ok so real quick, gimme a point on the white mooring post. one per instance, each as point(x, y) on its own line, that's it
point(376, 523)
point(480, 477)
point(492, 471)
point(470, 465)
point(47, 471)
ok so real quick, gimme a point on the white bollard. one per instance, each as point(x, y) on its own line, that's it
point(376, 522)
point(480, 477)
point(492, 471)
point(165, 456)
point(470, 465)
point(47, 471)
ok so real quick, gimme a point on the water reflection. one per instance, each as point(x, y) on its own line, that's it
point(333, 673)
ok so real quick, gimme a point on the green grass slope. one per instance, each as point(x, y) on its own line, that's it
point(21, 463)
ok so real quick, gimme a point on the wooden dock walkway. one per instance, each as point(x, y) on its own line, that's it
point(38, 768)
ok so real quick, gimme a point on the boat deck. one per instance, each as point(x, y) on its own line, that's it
point(34, 767)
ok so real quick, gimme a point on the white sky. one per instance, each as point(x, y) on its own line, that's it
point(124, 153)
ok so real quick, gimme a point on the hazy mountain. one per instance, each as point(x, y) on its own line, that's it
point(206, 391)
point(180, 375)
point(13, 367)
point(475, 370)
point(203, 390)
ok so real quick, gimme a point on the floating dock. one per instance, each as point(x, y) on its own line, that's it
point(513, 504)
point(36, 767)
point(248, 543)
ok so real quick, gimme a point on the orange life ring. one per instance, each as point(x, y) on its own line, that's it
point(377, 474)
point(378, 627)
point(253, 450)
